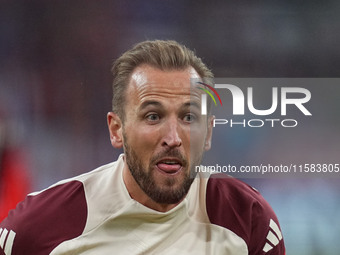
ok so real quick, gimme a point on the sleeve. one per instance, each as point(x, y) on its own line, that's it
point(266, 236)
point(234, 205)
point(43, 221)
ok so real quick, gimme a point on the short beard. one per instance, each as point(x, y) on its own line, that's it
point(146, 181)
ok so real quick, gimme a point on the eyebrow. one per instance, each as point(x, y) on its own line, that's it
point(158, 104)
point(150, 102)
point(192, 104)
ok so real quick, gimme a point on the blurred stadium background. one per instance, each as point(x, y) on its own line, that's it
point(55, 85)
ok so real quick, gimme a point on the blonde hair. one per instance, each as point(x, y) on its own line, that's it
point(165, 55)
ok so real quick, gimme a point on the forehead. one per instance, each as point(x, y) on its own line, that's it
point(150, 81)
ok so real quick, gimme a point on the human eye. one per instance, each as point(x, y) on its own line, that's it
point(189, 117)
point(152, 117)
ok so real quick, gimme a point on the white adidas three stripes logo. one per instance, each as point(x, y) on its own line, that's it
point(272, 239)
point(6, 240)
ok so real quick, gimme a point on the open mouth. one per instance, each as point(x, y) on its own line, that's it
point(169, 166)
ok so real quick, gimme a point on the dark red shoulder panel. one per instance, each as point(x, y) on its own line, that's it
point(42, 222)
point(236, 206)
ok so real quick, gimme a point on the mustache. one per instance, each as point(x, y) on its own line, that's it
point(174, 153)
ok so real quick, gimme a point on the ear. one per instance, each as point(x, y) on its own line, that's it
point(208, 138)
point(115, 126)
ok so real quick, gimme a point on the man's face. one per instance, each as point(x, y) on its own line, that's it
point(164, 134)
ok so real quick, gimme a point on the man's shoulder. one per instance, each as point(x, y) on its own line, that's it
point(226, 187)
point(51, 216)
point(235, 205)
point(42, 221)
point(227, 193)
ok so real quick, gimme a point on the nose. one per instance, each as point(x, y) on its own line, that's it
point(171, 136)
